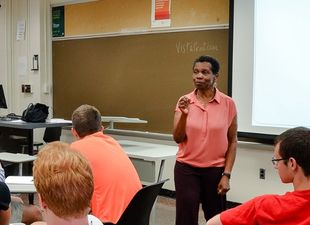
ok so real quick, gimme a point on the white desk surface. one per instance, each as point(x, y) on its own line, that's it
point(20, 184)
point(16, 157)
point(148, 151)
point(121, 119)
point(19, 124)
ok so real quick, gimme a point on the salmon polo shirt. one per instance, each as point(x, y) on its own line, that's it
point(115, 178)
point(206, 131)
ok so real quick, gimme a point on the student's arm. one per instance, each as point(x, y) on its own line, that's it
point(5, 216)
point(215, 220)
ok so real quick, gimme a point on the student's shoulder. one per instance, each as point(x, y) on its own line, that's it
point(92, 220)
point(5, 199)
point(267, 200)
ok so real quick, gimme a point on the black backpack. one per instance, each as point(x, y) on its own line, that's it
point(35, 113)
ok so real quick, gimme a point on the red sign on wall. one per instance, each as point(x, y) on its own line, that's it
point(162, 9)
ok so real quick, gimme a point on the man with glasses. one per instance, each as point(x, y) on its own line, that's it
point(292, 160)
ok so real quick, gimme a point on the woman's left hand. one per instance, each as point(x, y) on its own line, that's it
point(223, 186)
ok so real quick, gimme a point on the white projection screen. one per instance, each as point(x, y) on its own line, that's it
point(270, 68)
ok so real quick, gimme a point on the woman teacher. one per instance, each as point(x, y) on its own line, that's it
point(205, 127)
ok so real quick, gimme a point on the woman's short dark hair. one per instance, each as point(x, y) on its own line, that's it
point(215, 66)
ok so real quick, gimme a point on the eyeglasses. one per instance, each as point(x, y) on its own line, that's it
point(275, 161)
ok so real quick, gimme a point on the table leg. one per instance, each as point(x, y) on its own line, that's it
point(20, 168)
point(160, 172)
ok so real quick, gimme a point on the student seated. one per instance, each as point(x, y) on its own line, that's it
point(5, 200)
point(21, 212)
point(292, 160)
point(64, 183)
point(115, 179)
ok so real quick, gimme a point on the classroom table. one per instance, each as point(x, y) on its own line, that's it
point(20, 184)
point(146, 157)
point(17, 158)
point(120, 119)
point(15, 133)
point(9, 130)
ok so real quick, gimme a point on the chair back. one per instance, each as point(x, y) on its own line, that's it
point(139, 209)
point(52, 134)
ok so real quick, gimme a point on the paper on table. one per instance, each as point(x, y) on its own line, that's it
point(57, 120)
point(17, 121)
point(19, 180)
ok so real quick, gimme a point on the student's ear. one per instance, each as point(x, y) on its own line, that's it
point(42, 202)
point(292, 164)
point(74, 133)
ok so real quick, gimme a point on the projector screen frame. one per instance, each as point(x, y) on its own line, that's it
point(259, 137)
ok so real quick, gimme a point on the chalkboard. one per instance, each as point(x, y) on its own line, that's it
point(135, 75)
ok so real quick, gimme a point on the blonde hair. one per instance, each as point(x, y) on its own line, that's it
point(64, 180)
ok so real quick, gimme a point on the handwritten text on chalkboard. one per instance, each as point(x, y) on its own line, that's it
point(194, 46)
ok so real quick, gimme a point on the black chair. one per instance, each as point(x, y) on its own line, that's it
point(139, 209)
point(50, 134)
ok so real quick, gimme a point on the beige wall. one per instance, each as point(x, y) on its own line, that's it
point(245, 183)
point(120, 16)
point(135, 15)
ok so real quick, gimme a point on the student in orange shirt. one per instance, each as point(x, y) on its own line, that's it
point(19, 211)
point(115, 178)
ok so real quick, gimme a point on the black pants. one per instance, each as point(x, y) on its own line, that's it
point(194, 186)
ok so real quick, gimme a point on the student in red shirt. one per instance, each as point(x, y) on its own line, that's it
point(205, 127)
point(292, 160)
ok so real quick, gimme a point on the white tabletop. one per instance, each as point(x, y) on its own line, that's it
point(120, 119)
point(19, 124)
point(20, 184)
point(16, 157)
point(148, 151)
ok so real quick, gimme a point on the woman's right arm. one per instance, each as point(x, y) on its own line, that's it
point(179, 122)
point(179, 125)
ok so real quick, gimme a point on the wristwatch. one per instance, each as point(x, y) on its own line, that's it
point(226, 174)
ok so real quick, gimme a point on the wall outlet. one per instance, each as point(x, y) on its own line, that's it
point(262, 173)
